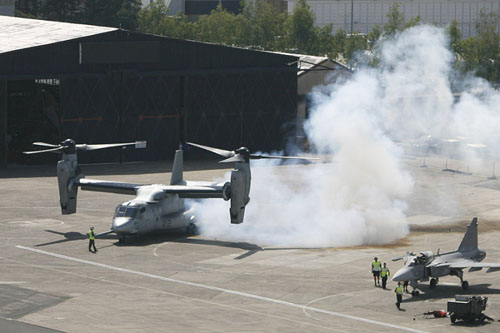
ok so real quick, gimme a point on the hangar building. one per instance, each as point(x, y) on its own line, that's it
point(100, 85)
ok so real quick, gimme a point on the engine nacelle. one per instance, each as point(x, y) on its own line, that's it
point(240, 188)
point(67, 172)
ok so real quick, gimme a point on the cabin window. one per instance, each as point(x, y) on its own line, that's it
point(131, 212)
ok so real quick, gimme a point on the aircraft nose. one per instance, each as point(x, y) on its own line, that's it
point(404, 274)
point(123, 225)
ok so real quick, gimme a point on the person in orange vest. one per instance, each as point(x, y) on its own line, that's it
point(92, 240)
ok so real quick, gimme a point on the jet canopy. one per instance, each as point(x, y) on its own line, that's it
point(423, 258)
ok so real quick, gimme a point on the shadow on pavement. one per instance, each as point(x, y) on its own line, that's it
point(448, 291)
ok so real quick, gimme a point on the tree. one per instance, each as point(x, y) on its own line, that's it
point(219, 27)
point(150, 19)
point(111, 13)
point(262, 25)
point(395, 20)
point(482, 52)
point(300, 28)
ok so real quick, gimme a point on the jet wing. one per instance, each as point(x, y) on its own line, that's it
point(107, 186)
point(464, 263)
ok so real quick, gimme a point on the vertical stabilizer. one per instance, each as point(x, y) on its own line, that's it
point(176, 177)
point(470, 239)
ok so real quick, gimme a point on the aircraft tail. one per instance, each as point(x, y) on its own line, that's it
point(177, 178)
point(470, 239)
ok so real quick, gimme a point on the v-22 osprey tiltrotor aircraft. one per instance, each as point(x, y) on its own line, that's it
point(155, 207)
point(427, 265)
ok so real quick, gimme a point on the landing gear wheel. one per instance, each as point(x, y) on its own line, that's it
point(465, 285)
point(453, 318)
point(191, 229)
point(415, 293)
point(433, 283)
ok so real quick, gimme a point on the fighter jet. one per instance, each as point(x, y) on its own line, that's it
point(426, 265)
point(155, 207)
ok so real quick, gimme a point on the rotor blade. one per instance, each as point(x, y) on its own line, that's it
point(86, 147)
point(256, 157)
point(235, 158)
point(43, 151)
point(221, 152)
point(43, 144)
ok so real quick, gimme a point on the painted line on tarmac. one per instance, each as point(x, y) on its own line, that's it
point(228, 291)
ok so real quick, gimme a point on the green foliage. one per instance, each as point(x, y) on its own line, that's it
point(111, 13)
point(261, 26)
point(300, 28)
point(395, 20)
point(481, 53)
point(219, 27)
point(412, 22)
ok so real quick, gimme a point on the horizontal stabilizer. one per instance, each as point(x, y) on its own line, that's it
point(493, 269)
point(475, 269)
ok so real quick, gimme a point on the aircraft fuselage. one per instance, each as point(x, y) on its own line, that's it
point(152, 210)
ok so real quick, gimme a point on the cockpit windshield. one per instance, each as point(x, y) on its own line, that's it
point(123, 211)
point(420, 260)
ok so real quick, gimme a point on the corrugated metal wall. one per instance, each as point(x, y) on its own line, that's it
point(256, 109)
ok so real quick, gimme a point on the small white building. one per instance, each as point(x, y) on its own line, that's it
point(313, 71)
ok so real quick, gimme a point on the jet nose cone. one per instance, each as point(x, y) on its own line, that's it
point(123, 225)
point(404, 274)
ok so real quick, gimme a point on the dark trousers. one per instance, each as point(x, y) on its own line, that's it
point(400, 299)
point(92, 243)
point(384, 281)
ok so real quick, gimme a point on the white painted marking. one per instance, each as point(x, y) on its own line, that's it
point(130, 286)
point(35, 222)
point(228, 291)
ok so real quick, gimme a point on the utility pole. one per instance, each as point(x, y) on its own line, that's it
point(352, 15)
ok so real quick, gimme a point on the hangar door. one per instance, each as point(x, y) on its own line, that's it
point(33, 114)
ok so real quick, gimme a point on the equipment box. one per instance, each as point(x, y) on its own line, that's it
point(467, 308)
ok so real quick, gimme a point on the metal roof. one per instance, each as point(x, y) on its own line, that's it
point(20, 33)
point(307, 63)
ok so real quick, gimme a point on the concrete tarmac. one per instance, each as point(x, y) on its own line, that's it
point(173, 283)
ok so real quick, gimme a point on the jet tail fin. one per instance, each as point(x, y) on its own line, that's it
point(176, 178)
point(470, 239)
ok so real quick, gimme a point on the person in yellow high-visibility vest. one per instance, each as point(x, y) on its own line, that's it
point(92, 239)
point(376, 268)
point(384, 273)
point(399, 294)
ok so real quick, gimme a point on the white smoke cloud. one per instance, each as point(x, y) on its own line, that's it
point(360, 198)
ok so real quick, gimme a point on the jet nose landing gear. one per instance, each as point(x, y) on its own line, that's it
point(465, 285)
